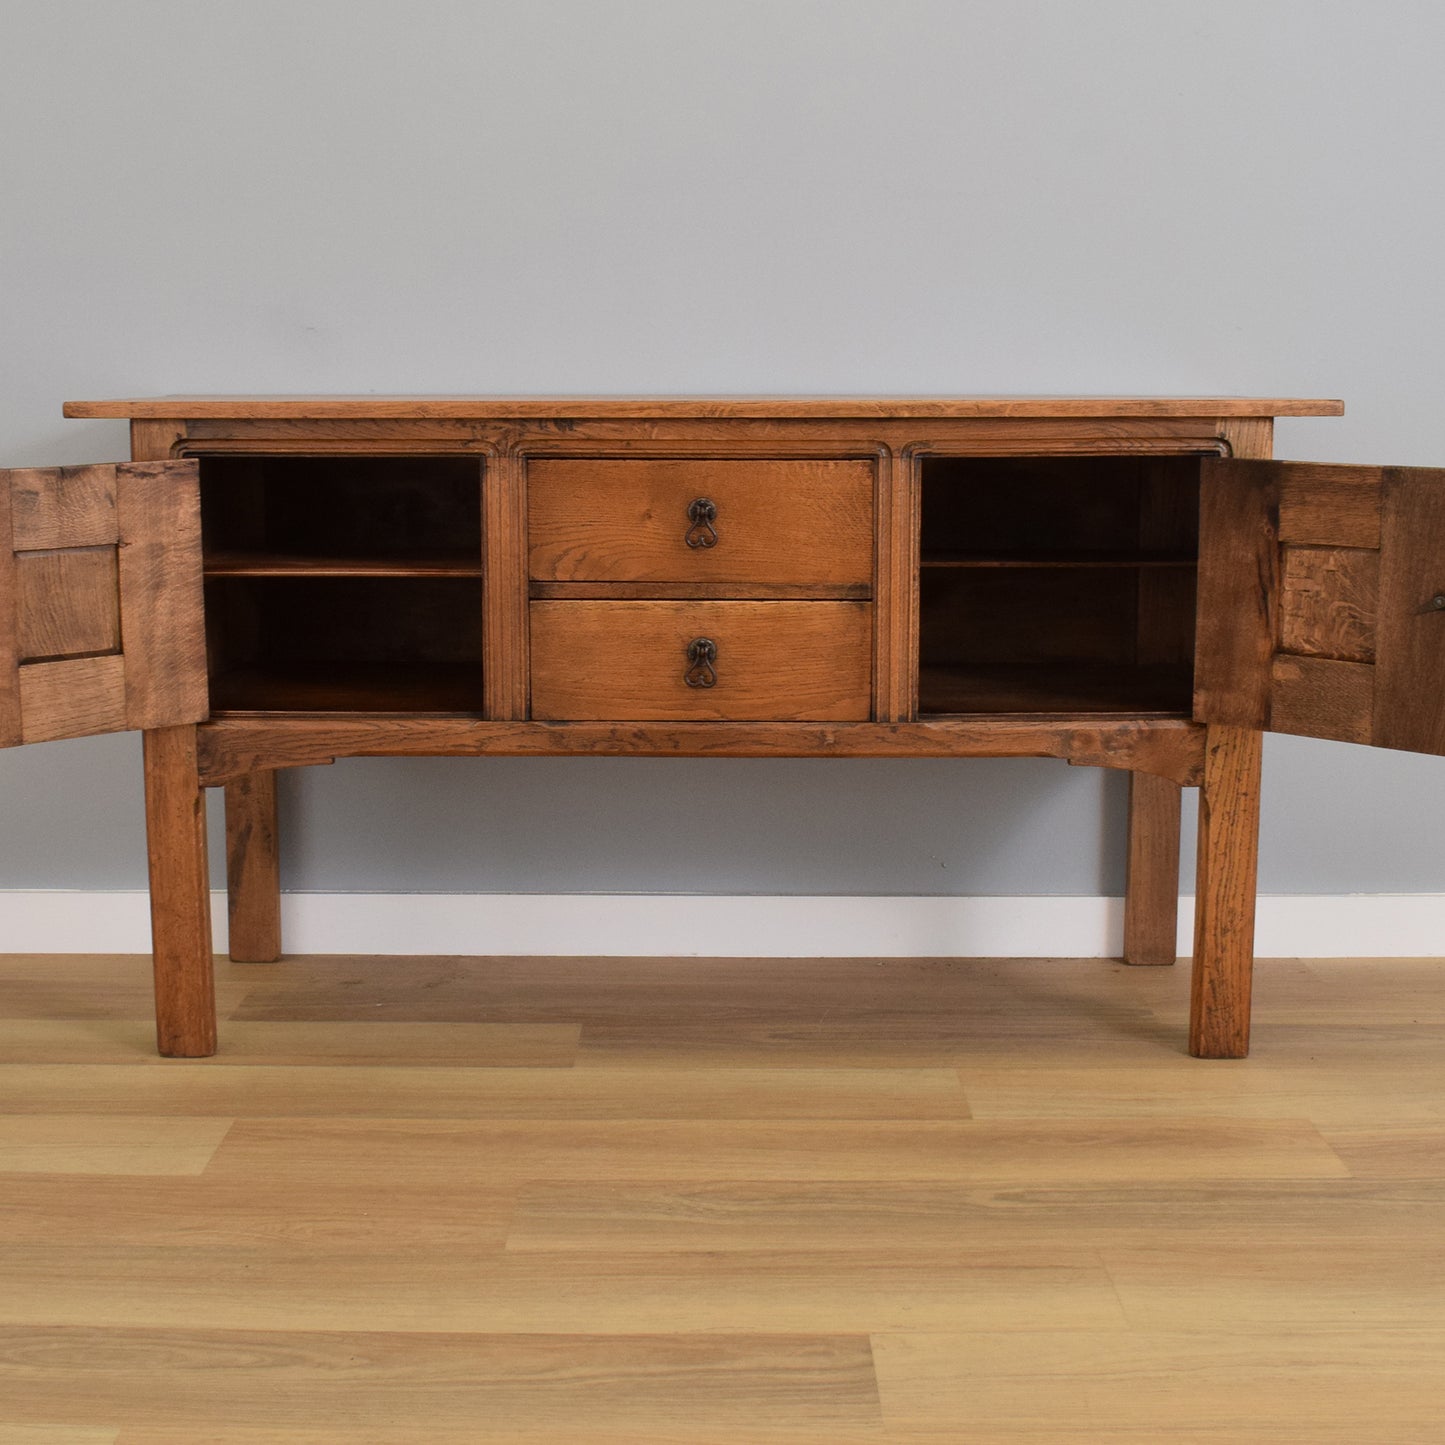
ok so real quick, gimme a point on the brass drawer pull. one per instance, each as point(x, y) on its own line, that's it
point(701, 534)
point(701, 654)
point(1437, 602)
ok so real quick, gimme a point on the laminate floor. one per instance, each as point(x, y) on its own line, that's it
point(721, 1202)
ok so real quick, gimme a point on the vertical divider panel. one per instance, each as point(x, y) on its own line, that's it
point(10, 726)
point(895, 589)
point(504, 604)
point(1238, 590)
point(162, 623)
point(1408, 710)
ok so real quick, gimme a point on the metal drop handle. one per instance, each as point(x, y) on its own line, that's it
point(701, 533)
point(701, 655)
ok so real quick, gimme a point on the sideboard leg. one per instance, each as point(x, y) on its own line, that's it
point(1151, 889)
point(180, 895)
point(253, 875)
point(1224, 897)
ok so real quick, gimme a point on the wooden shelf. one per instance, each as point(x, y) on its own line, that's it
point(1063, 688)
point(1060, 559)
point(273, 564)
point(350, 687)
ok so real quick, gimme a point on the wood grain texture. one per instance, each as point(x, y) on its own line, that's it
point(1219, 1012)
point(75, 698)
point(1174, 1218)
point(162, 619)
point(699, 591)
point(504, 587)
point(568, 1432)
point(1170, 747)
point(1248, 437)
point(895, 607)
point(1120, 1245)
point(1212, 1382)
point(1151, 889)
point(1091, 429)
point(302, 1154)
point(979, 436)
point(262, 564)
point(463, 1089)
point(1327, 505)
point(629, 407)
point(63, 507)
point(1410, 687)
point(82, 989)
point(69, 602)
point(180, 887)
point(478, 1290)
point(1317, 697)
point(57, 1434)
point(63, 601)
point(253, 869)
point(629, 660)
point(10, 719)
point(156, 440)
point(1238, 593)
point(1345, 579)
point(56, 601)
point(359, 1384)
point(1329, 601)
point(777, 521)
point(79, 1143)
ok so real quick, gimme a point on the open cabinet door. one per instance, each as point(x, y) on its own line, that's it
point(101, 623)
point(1322, 602)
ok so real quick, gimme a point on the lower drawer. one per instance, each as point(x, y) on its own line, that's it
point(685, 661)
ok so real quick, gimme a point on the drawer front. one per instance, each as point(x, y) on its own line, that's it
point(686, 661)
point(692, 520)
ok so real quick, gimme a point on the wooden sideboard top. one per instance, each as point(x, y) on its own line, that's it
point(616, 407)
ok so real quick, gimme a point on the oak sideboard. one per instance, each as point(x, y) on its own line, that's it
point(276, 582)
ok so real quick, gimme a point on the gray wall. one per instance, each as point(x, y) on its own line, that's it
point(744, 195)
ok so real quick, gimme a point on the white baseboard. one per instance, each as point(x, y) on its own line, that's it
point(1404, 925)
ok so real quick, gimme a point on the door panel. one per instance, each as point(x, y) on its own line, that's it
point(1410, 688)
point(1329, 602)
point(100, 600)
point(1317, 601)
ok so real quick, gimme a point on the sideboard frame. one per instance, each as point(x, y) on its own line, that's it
point(242, 755)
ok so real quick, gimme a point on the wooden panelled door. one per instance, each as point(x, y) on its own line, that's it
point(101, 626)
point(1322, 602)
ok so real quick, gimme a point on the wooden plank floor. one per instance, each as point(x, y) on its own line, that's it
point(434, 1201)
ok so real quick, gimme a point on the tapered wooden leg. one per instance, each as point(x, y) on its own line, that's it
point(1151, 889)
point(253, 874)
point(1224, 897)
point(180, 895)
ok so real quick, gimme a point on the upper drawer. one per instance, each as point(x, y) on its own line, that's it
point(694, 520)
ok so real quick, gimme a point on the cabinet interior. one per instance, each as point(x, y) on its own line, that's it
point(1058, 585)
point(343, 583)
point(1048, 585)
